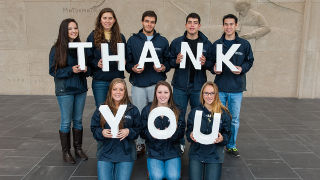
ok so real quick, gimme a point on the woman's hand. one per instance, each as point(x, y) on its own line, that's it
point(100, 63)
point(219, 139)
point(76, 69)
point(191, 136)
point(107, 133)
point(123, 133)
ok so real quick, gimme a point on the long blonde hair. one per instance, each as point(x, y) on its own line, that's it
point(216, 106)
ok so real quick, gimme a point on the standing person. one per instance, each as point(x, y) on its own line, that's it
point(70, 88)
point(187, 82)
point(164, 156)
point(144, 80)
point(116, 155)
point(106, 30)
point(232, 83)
point(205, 161)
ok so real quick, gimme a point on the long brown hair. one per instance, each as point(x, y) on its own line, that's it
point(99, 32)
point(61, 44)
point(110, 102)
point(216, 106)
point(171, 103)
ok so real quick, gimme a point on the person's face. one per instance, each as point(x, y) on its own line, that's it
point(73, 31)
point(208, 95)
point(107, 21)
point(163, 94)
point(229, 26)
point(192, 26)
point(148, 24)
point(117, 92)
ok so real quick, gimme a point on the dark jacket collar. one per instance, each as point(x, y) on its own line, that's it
point(202, 37)
point(141, 35)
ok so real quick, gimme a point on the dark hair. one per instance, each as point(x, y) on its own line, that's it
point(99, 32)
point(230, 16)
point(149, 14)
point(193, 15)
point(61, 45)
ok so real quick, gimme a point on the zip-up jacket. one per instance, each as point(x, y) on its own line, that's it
point(162, 149)
point(66, 81)
point(227, 81)
point(94, 55)
point(112, 149)
point(181, 77)
point(149, 76)
point(212, 153)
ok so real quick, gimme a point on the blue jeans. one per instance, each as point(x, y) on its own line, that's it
point(114, 170)
point(100, 91)
point(204, 171)
point(181, 98)
point(169, 169)
point(234, 104)
point(71, 108)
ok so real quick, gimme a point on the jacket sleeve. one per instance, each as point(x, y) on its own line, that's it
point(248, 61)
point(95, 126)
point(61, 72)
point(208, 65)
point(225, 128)
point(130, 60)
point(190, 122)
point(134, 131)
point(92, 60)
point(213, 52)
point(173, 55)
point(166, 57)
point(181, 127)
point(145, 134)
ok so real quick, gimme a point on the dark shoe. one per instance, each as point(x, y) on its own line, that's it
point(141, 150)
point(233, 151)
point(77, 143)
point(65, 144)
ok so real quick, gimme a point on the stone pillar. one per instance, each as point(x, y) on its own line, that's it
point(309, 65)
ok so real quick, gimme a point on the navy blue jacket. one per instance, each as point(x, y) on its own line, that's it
point(212, 153)
point(94, 55)
point(180, 78)
point(162, 148)
point(227, 81)
point(67, 82)
point(149, 76)
point(112, 149)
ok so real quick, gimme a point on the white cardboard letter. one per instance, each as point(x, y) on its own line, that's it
point(206, 138)
point(185, 49)
point(148, 46)
point(80, 51)
point(166, 133)
point(106, 58)
point(225, 58)
point(111, 120)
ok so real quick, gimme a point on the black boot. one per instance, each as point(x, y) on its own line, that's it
point(65, 144)
point(77, 143)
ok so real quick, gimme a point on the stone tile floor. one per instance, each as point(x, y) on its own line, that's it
point(279, 138)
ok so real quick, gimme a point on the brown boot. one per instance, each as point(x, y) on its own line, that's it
point(77, 143)
point(65, 144)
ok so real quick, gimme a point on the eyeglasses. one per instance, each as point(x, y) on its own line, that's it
point(207, 93)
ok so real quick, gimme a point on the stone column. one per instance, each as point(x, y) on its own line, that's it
point(309, 65)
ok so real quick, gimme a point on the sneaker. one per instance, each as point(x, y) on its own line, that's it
point(233, 151)
point(182, 147)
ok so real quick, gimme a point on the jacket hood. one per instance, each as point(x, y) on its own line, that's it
point(141, 35)
point(202, 37)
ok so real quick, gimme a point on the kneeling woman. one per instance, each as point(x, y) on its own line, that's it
point(163, 155)
point(116, 156)
point(205, 161)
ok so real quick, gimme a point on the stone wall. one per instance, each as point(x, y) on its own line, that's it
point(286, 59)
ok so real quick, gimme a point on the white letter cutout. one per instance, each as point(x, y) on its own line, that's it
point(80, 51)
point(106, 58)
point(206, 138)
point(148, 46)
point(111, 120)
point(225, 58)
point(185, 49)
point(166, 133)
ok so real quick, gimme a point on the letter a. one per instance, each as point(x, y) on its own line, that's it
point(148, 46)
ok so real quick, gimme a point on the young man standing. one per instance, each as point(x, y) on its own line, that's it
point(232, 83)
point(187, 82)
point(144, 79)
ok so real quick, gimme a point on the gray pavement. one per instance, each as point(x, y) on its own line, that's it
point(279, 138)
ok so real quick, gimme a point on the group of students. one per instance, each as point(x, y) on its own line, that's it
point(149, 90)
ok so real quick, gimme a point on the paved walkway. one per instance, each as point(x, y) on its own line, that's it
point(279, 138)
